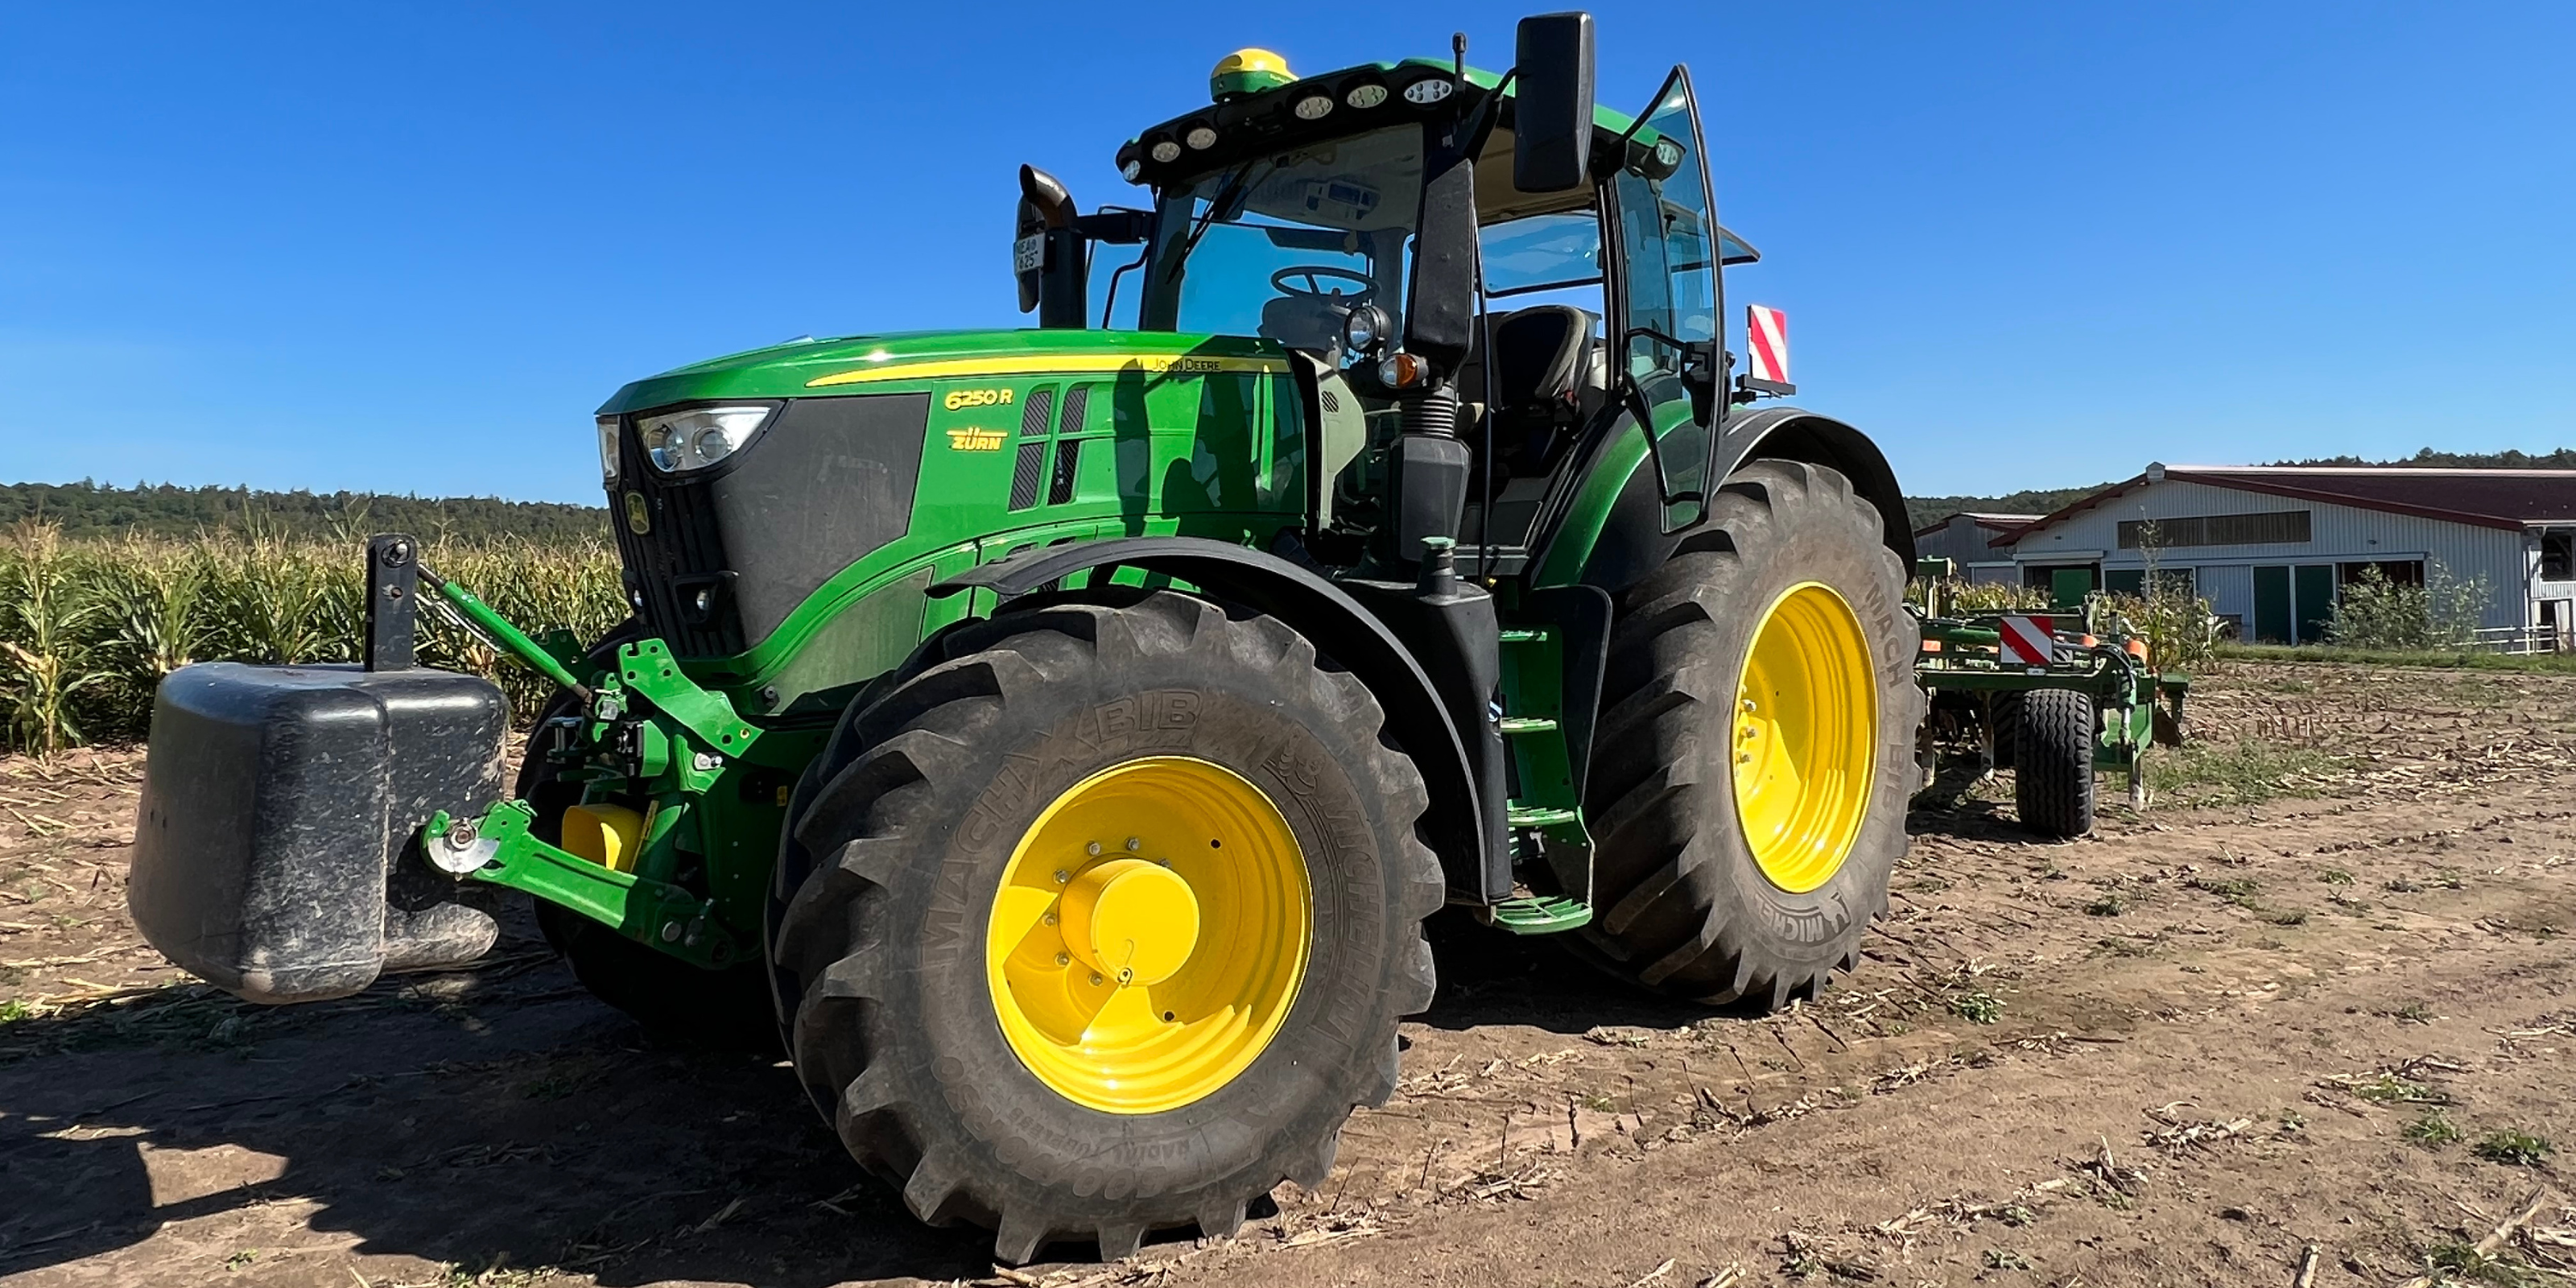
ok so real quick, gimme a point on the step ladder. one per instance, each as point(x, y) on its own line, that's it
point(1545, 817)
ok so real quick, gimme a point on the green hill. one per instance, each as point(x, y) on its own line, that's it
point(88, 509)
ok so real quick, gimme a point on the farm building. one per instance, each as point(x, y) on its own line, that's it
point(2270, 547)
point(1968, 540)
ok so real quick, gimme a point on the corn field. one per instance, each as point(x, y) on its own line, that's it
point(88, 628)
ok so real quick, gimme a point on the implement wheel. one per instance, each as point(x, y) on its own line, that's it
point(1756, 746)
point(672, 999)
point(1111, 913)
point(2053, 762)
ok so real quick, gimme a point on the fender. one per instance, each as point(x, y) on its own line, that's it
point(1630, 541)
point(1339, 626)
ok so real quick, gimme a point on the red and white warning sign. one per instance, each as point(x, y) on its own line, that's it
point(2026, 640)
point(1766, 332)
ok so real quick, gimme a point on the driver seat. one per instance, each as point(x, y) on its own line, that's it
point(1542, 362)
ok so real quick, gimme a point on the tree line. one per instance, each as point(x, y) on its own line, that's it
point(89, 509)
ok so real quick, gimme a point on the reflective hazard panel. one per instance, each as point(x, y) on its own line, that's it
point(1766, 332)
point(2026, 640)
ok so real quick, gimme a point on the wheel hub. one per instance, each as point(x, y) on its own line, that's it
point(1093, 952)
point(1805, 734)
point(1130, 920)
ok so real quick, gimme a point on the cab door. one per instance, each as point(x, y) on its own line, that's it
point(1667, 295)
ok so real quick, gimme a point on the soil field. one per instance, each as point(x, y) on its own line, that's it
point(2310, 1020)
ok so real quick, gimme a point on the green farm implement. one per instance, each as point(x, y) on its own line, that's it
point(2052, 697)
point(1054, 739)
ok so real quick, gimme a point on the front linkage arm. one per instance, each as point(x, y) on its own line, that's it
point(677, 737)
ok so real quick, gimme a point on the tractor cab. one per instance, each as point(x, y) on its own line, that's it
point(1496, 261)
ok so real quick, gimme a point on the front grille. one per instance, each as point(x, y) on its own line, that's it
point(828, 481)
point(681, 545)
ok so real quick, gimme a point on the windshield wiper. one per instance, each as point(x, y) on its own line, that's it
point(1235, 187)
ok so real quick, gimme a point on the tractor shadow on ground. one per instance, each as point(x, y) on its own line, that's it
point(1490, 977)
point(499, 1118)
point(1950, 808)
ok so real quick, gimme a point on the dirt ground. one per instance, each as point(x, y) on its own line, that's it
point(2321, 996)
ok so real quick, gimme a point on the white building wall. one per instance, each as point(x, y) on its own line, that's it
point(2337, 534)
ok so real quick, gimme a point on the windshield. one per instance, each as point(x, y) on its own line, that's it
point(1285, 246)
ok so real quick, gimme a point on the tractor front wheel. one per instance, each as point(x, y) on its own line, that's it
point(671, 999)
point(1109, 915)
point(1757, 744)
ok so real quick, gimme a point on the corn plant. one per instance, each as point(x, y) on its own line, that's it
point(88, 629)
point(40, 614)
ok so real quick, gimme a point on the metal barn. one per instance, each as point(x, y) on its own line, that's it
point(1968, 539)
point(2270, 547)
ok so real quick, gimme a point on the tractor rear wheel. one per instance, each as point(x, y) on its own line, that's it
point(1111, 914)
point(2053, 762)
point(1757, 744)
point(669, 998)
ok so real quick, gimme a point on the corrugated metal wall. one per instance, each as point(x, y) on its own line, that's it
point(1962, 539)
point(2337, 534)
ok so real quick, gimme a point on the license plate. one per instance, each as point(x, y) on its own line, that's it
point(1028, 253)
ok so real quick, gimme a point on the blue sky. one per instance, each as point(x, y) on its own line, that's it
point(410, 247)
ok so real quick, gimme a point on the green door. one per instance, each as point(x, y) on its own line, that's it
point(2067, 587)
point(2272, 605)
point(2316, 596)
point(1668, 299)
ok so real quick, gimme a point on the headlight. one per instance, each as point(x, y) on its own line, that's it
point(608, 451)
point(700, 436)
point(1361, 329)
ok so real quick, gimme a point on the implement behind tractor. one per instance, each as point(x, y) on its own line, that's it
point(1055, 739)
point(2051, 697)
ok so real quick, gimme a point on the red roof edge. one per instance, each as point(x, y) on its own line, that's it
point(2071, 508)
point(2231, 479)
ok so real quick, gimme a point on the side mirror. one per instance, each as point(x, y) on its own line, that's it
point(1552, 103)
point(1047, 254)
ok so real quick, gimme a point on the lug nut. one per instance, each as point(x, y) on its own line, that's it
point(1133, 844)
point(1064, 959)
point(1049, 919)
point(1127, 977)
point(1063, 877)
point(1095, 979)
point(1092, 849)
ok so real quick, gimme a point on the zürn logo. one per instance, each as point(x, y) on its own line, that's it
point(975, 440)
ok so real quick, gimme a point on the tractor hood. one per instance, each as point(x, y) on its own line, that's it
point(869, 363)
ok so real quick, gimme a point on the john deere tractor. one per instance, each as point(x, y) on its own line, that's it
point(1057, 738)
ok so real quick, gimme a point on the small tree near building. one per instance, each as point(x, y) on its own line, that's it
point(2373, 612)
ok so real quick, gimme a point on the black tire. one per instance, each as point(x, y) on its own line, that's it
point(880, 953)
point(1684, 907)
point(2053, 762)
point(671, 999)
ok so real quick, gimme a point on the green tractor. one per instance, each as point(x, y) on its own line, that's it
point(1057, 738)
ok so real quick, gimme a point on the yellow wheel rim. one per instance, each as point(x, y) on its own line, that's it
point(1805, 737)
point(1149, 935)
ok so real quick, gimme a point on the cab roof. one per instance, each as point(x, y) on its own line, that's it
point(1240, 127)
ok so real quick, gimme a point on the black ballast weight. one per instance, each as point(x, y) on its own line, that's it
point(277, 850)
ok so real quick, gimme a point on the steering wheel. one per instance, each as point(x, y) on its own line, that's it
point(1316, 275)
